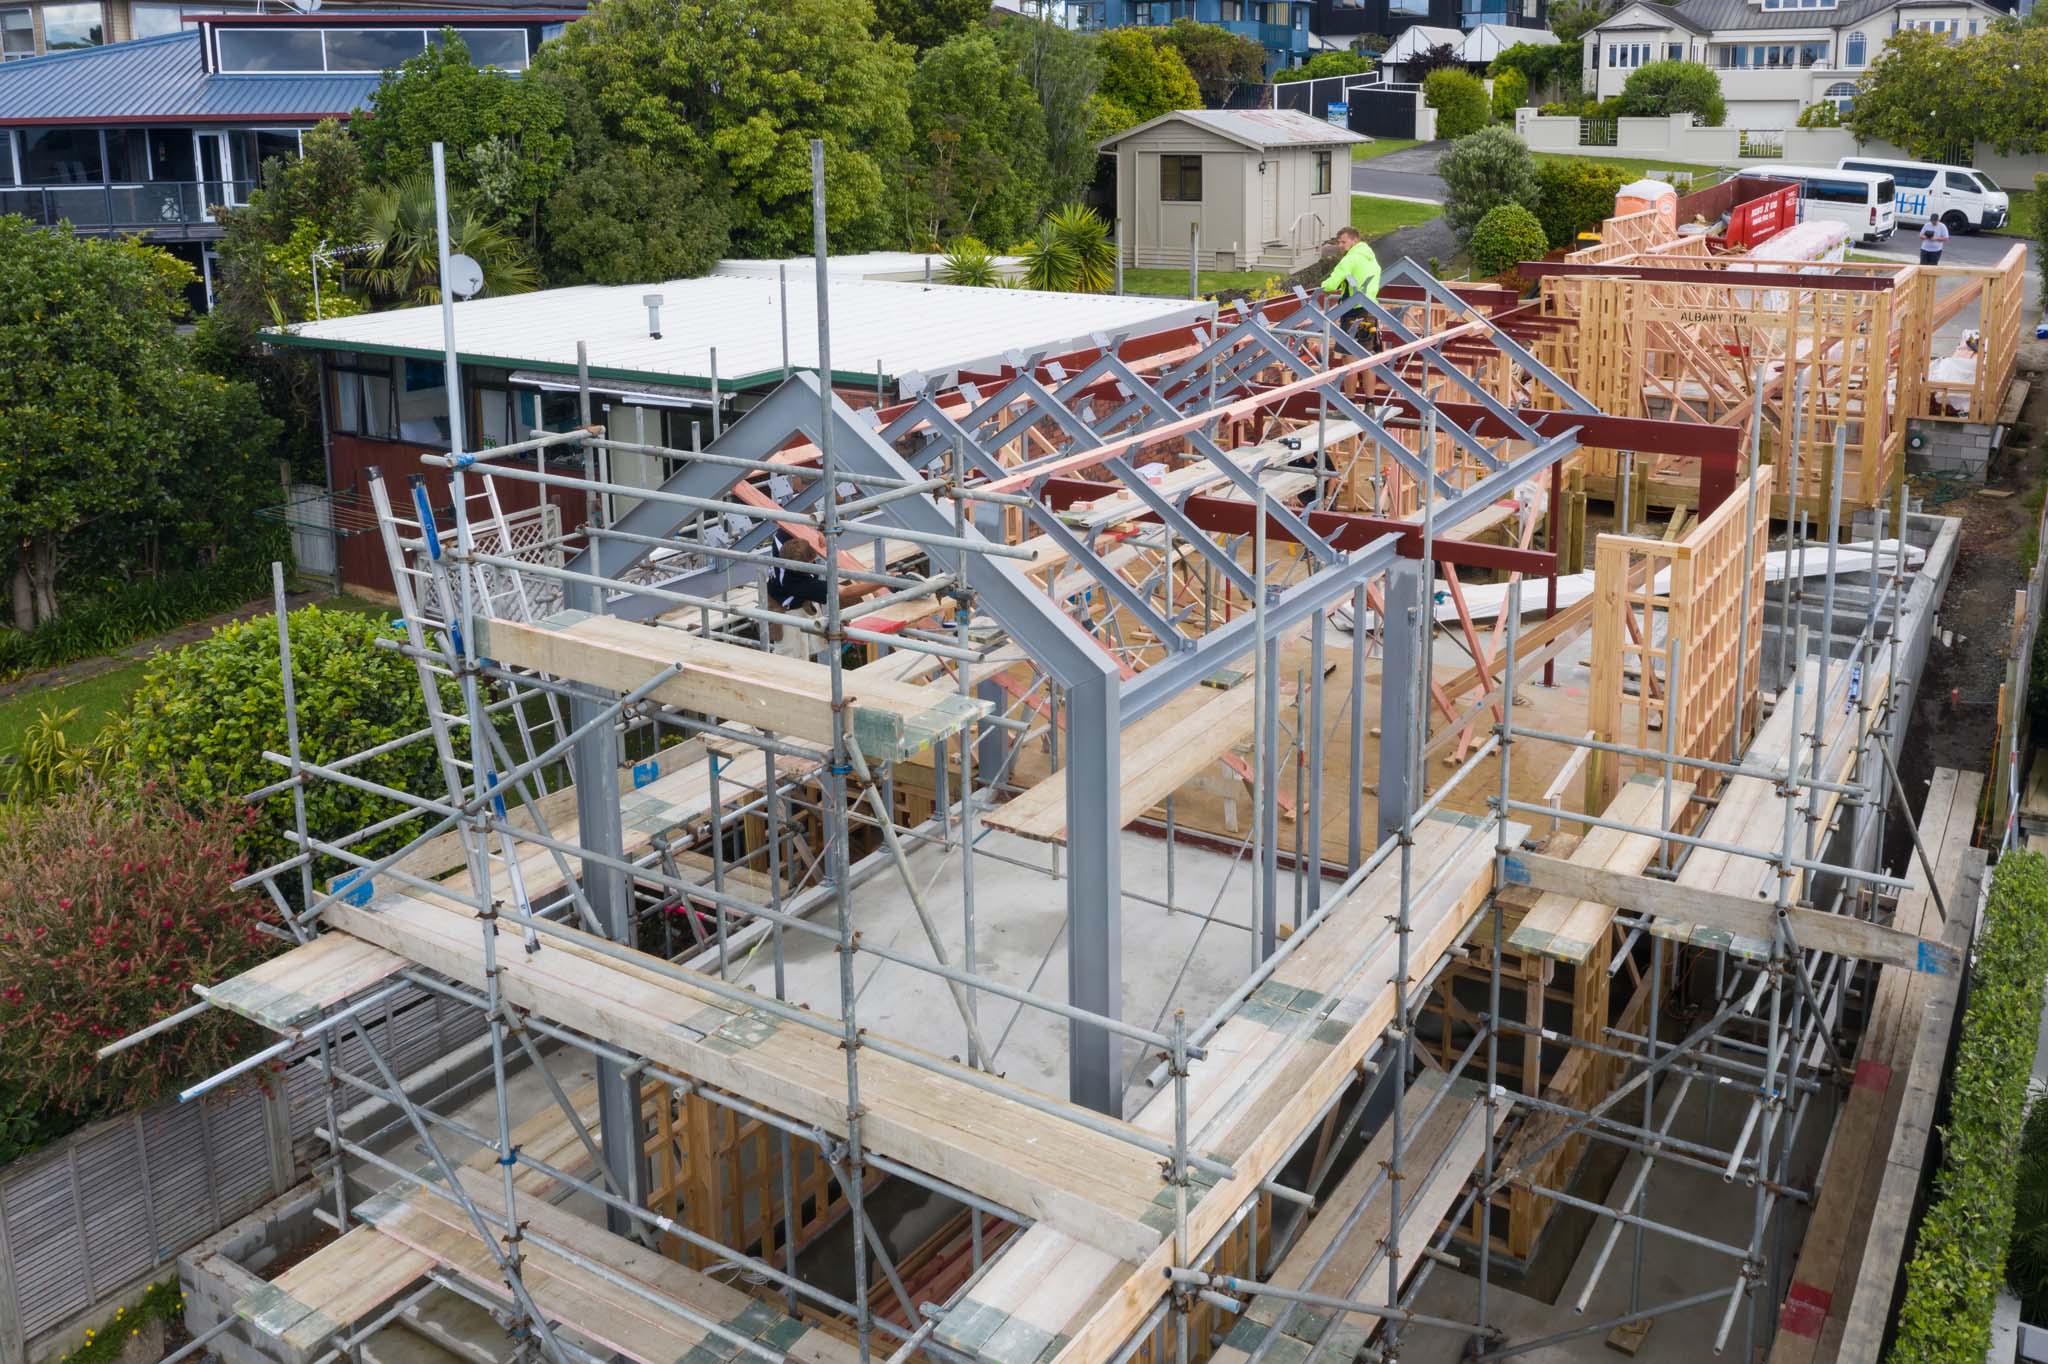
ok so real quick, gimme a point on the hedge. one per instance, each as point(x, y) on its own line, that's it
point(1958, 1262)
point(147, 606)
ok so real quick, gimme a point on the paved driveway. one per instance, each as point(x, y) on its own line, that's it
point(1409, 174)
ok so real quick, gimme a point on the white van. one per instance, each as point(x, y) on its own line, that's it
point(1966, 200)
point(1859, 200)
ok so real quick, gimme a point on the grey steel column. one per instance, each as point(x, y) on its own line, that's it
point(1399, 694)
point(1268, 813)
point(594, 765)
point(1094, 896)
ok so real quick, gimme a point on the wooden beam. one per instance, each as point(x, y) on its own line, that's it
point(1569, 927)
point(1815, 929)
point(1160, 753)
point(297, 986)
point(1043, 1165)
point(788, 696)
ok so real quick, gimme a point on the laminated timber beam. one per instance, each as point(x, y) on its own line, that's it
point(1102, 1190)
point(789, 696)
point(1569, 926)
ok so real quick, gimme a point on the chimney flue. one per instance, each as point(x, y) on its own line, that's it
point(653, 302)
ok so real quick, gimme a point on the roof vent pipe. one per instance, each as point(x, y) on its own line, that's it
point(653, 302)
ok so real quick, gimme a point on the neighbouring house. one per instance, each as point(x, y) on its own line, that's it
point(1279, 26)
point(1258, 189)
point(35, 28)
point(155, 137)
point(1340, 21)
point(1774, 57)
point(668, 364)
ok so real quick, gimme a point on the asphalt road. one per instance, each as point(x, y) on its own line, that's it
point(1409, 174)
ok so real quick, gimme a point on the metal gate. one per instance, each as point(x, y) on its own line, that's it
point(1384, 110)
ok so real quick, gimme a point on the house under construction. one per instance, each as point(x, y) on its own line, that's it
point(1210, 845)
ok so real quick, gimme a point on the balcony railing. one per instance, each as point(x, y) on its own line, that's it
point(160, 205)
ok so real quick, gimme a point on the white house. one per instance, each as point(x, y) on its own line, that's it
point(1774, 57)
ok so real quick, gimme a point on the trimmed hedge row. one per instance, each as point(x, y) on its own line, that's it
point(147, 606)
point(1958, 1261)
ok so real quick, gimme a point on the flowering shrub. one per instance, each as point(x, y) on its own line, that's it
point(113, 903)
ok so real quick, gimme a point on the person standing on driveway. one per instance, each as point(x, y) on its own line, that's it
point(1933, 237)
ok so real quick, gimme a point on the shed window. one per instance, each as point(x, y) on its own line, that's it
point(362, 395)
point(1322, 172)
point(1180, 179)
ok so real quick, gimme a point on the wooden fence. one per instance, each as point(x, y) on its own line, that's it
point(86, 1217)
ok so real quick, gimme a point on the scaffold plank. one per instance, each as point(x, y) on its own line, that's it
point(1708, 913)
point(1438, 1156)
point(1158, 754)
point(590, 1304)
point(1044, 1166)
point(790, 696)
point(1563, 925)
point(341, 1283)
point(1271, 1070)
point(297, 986)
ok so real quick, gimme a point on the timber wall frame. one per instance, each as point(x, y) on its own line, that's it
point(1129, 1227)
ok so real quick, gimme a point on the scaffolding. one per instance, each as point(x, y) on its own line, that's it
point(656, 772)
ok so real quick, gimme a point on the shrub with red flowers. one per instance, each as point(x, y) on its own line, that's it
point(113, 903)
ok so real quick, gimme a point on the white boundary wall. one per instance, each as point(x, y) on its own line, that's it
point(1675, 137)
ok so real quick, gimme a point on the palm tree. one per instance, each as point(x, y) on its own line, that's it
point(402, 262)
point(1071, 254)
point(971, 264)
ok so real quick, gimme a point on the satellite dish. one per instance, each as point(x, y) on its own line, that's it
point(465, 276)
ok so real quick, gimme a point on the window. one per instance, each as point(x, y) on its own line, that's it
point(60, 156)
point(1842, 94)
point(73, 26)
point(1837, 191)
point(1322, 173)
point(154, 21)
point(362, 395)
point(1141, 13)
point(1674, 52)
point(1180, 179)
point(1911, 177)
point(249, 150)
point(17, 34)
point(1233, 11)
point(1856, 51)
point(504, 48)
point(269, 49)
point(372, 49)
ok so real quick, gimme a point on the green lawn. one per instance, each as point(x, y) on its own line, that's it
point(1375, 217)
point(1385, 146)
point(97, 699)
point(2022, 224)
point(1634, 165)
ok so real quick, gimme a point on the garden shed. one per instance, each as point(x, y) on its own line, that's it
point(1257, 189)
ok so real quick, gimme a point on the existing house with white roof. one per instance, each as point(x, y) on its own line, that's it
point(1774, 57)
point(658, 371)
point(1254, 189)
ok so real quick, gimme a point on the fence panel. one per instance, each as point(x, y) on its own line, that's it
point(107, 1205)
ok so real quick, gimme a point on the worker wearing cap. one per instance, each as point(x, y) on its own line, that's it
point(1358, 271)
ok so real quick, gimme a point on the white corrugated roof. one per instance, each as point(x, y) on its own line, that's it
point(1253, 127)
point(1488, 41)
point(889, 265)
point(891, 328)
point(1417, 39)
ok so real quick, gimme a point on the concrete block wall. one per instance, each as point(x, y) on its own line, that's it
point(1950, 448)
point(219, 1271)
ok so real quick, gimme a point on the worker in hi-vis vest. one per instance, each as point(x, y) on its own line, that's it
point(1357, 272)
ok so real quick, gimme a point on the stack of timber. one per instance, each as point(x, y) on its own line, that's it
point(1841, 1284)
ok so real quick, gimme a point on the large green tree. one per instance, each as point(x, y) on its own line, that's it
point(603, 227)
point(507, 145)
point(1063, 69)
point(1936, 98)
point(1570, 19)
point(1323, 64)
point(1219, 60)
point(1142, 78)
point(976, 164)
point(927, 23)
point(401, 261)
point(733, 91)
point(108, 423)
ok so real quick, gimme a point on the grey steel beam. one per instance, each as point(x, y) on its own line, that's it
point(1400, 642)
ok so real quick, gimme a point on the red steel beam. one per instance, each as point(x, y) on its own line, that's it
point(1672, 274)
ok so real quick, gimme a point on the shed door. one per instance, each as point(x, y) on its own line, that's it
point(1269, 192)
